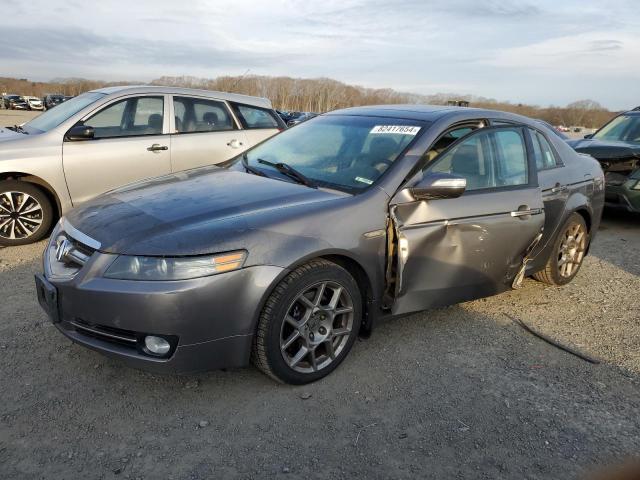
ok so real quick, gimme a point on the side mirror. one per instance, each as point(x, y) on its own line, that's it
point(439, 186)
point(589, 136)
point(80, 132)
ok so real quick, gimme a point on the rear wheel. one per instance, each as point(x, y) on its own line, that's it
point(568, 253)
point(26, 213)
point(308, 324)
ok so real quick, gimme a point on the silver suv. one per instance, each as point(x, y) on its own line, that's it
point(106, 138)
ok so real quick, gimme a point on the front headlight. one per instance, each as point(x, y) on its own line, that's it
point(636, 186)
point(174, 268)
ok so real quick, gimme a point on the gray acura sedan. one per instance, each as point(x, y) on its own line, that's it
point(285, 254)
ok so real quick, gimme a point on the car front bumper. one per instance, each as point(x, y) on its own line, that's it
point(623, 196)
point(210, 320)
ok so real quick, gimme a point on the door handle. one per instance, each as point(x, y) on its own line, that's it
point(524, 211)
point(156, 147)
point(558, 188)
point(235, 143)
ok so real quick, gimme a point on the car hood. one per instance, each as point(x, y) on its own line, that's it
point(189, 213)
point(606, 150)
point(6, 134)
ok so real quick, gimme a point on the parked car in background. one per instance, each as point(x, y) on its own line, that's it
point(106, 138)
point(617, 147)
point(301, 117)
point(297, 245)
point(51, 100)
point(15, 102)
point(34, 103)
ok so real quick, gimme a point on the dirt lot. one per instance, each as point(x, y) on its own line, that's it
point(459, 392)
point(8, 118)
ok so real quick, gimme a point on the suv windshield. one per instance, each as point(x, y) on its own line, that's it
point(348, 153)
point(625, 128)
point(54, 117)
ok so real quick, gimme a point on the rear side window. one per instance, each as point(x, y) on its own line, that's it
point(542, 151)
point(201, 115)
point(255, 117)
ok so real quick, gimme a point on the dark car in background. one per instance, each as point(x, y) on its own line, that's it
point(617, 147)
point(288, 251)
point(15, 102)
point(51, 100)
point(301, 117)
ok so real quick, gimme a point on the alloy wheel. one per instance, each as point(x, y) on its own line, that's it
point(316, 327)
point(572, 249)
point(20, 215)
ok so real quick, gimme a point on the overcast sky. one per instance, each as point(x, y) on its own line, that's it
point(542, 52)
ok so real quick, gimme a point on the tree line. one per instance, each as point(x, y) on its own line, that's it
point(322, 95)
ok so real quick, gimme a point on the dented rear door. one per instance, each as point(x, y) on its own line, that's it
point(453, 250)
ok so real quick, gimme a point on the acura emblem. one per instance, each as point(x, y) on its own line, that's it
point(63, 247)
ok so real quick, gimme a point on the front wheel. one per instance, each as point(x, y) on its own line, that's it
point(26, 213)
point(309, 323)
point(568, 252)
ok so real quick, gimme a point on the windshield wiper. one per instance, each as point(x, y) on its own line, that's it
point(290, 172)
point(249, 168)
point(18, 128)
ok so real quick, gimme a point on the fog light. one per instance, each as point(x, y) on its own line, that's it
point(157, 345)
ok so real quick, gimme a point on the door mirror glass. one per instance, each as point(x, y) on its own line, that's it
point(80, 132)
point(438, 186)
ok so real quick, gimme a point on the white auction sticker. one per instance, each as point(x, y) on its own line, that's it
point(364, 180)
point(397, 129)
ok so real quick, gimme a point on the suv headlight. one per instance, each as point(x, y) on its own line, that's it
point(127, 267)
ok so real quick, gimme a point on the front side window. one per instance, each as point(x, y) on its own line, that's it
point(489, 159)
point(542, 151)
point(130, 117)
point(255, 117)
point(200, 115)
point(345, 152)
point(625, 128)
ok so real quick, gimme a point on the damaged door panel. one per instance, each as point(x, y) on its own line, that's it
point(452, 250)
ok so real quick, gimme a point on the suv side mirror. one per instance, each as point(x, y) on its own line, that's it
point(439, 186)
point(589, 136)
point(80, 132)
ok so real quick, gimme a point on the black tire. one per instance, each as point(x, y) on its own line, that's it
point(551, 274)
point(45, 216)
point(266, 353)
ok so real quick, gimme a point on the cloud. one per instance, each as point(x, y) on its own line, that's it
point(516, 50)
point(85, 48)
point(593, 54)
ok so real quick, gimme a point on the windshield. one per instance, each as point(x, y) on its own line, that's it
point(625, 128)
point(54, 117)
point(348, 153)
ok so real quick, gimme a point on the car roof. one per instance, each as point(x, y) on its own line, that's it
point(430, 113)
point(232, 97)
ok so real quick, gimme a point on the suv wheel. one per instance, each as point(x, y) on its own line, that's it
point(26, 213)
point(308, 324)
point(568, 252)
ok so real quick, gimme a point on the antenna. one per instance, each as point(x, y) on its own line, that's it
point(241, 77)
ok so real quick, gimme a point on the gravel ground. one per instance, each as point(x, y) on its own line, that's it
point(459, 392)
point(9, 118)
